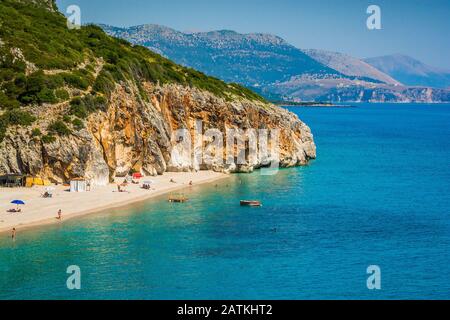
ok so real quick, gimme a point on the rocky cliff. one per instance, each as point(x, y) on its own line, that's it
point(132, 134)
point(79, 103)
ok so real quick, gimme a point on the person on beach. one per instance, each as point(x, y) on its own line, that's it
point(13, 234)
point(59, 215)
point(191, 183)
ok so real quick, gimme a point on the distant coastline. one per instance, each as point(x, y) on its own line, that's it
point(311, 104)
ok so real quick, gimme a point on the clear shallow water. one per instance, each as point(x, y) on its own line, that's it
point(377, 194)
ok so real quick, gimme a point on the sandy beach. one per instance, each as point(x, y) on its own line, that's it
point(40, 211)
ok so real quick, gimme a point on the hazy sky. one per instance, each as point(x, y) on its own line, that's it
point(419, 28)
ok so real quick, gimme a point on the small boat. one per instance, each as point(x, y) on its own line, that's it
point(178, 198)
point(251, 203)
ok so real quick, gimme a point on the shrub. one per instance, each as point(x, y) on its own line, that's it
point(104, 83)
point(54, 81)
point(75, 81)
point(67, 119)
point(112, 57)
point(78, 124)
point(48, 138)
point(18, 117)
point(82, 107)
point(77, 108)
point(34, 84)
point(6, 75)
point(14, 117)
point(37, 88)
point(62, 95)
point(7, 102)
point(58, 127)
point(3, 128)
point(36, 132)
point(100, 100)
point(46, 96)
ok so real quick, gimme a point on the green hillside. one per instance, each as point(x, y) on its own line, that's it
point(56, 59)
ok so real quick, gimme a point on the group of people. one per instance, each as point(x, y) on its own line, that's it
point(59, 216)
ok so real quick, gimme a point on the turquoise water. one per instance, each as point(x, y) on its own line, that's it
point(378, 194)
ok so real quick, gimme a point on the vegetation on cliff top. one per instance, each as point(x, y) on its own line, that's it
point(40, 59)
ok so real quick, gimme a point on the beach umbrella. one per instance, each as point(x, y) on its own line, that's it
point(17, 202)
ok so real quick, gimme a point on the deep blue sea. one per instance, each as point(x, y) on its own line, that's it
point(378, 194)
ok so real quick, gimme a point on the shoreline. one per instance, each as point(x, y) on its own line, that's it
point(353, 104)
point(316, 106)
point(40, 212)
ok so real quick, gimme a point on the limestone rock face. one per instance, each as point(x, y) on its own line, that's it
point(139, 134)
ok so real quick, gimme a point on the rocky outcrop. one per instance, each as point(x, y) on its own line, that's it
point(137, 134)
point(102, 113)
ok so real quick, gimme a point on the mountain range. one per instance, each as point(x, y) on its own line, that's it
point(350, 66)
point(276, 69)
point(252, 59)
point(410, 71)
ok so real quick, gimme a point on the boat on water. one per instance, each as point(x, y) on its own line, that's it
point(251, 203)
point(178, 198)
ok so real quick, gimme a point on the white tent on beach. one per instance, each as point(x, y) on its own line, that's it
point(78, 185)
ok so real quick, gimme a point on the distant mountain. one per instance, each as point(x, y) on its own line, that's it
point(410, 71)
point(274, 68)
point(349, 65)
point(309, 88)
point(254, 60)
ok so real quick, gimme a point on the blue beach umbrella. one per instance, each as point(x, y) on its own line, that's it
point(17, 202)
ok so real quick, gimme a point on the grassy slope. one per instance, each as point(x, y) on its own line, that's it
point(46, 42)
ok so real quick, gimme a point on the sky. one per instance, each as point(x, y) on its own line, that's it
point(418, 28)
